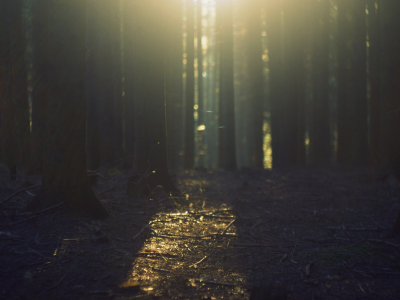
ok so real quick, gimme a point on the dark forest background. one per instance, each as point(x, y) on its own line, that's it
point(158, 86)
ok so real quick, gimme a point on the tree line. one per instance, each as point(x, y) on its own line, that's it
point(160, 85)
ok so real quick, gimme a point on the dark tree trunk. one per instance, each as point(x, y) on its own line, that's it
point(374, 77)
point(64, 174)
point(360, 133)
point(189, 108)
point(227, 106)
point(150, 108)
point(294, 127)
point(173, 82)
point(92, 71)
point(256, 82)
point(389, 147)
point(320, 117)
point(39, 83)
point(343, 107)
point(276, 87)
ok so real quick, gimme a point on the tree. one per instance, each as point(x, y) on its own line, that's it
point(151, 134)
point(39, 82)
point(64, 173)
point(189, 108)
point(294, 101)
point(359, 72)
point(389, 142)
point(320, 115)
point(227, 146)
point(343, 107)
point(256, 81)
point(173, 81)
point(276, 86)
point(374, 77)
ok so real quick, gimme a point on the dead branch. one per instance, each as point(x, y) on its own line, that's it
point(18, 192)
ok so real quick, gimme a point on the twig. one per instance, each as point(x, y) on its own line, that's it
point(384, 242)
point(200, 260)
point(353, 228)
point(103, 192)
point(57, 282)
point(140, 232)
point(227, 227)
point(18, 192)
point(36, 214)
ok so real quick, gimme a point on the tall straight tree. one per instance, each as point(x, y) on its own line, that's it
point(64, 174)
point(276, 86)
point(343, 106)
point(359, 35)
point(200, 98)
point(189, 108)
point(389, 148)
point(374, 77)
point(226, 93)
point(320, 117)
point(151, 132)
point(256, 81)
point(173, 81)
point(294, 127)
point(39, 82)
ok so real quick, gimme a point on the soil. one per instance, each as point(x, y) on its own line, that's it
point(315, 233)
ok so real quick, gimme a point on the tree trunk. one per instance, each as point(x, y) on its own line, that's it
point(227, 107)
point(150, 107)
point(320, 148)
point(64, 174)
point(389, 146)
point(343, 107)
point(359, 71)
point(173, 82)
point(276, 87)
point(189, 109)
point(39, 83)
point(256, 82)
point(294, 127)
point(374, 77)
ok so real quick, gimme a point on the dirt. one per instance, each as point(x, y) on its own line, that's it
point(316, 233)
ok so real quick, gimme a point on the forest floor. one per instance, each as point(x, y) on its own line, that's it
point(317, 233)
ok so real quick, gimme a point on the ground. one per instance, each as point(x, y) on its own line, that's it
point(318, 233)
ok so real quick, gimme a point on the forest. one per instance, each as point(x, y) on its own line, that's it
point(200, 149)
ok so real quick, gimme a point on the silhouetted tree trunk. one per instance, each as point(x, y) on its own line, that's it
point(256, 82)
point(294, 127)
point(389, 148)
point(374, 77)
point(227, 106)
point(276, 87)
point(64, 174)
point(189, 109)
point(343, 106)
point(92, 72)
point(200, 63)
point(173, 82)
point(151, 132)
point(39, 82)
point(359, 72)
point(320, 117)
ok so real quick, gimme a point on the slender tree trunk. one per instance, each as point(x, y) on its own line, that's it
point(256, 82)
point(228, 148)
point(389, 147)
point(92, 42)
point(276, 87)
point(343, 107)
point(360, 134)
point(173, 82)
point(189, 110)
point(374, 77)
point(64, 174)
point(320, 130)
point(40, 82)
